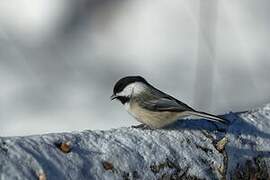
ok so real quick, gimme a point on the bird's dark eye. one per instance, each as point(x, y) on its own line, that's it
point(123, 99)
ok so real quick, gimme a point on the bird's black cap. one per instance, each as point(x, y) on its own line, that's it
point(122, 83)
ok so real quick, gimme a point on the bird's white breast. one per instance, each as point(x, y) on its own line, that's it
point(151, 118)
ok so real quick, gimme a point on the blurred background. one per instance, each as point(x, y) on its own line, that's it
point(59, 59)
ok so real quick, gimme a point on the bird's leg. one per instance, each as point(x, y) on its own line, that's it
point(141, 126)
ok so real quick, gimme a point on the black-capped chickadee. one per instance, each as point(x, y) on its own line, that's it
point(151, 106)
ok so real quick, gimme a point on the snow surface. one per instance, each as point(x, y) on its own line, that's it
point(184, 150)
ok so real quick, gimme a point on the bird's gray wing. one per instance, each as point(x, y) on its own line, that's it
point(165, 104)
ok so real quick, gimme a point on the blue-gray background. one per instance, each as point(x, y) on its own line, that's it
point(59, 59)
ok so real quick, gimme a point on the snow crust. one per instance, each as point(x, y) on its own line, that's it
point(186, 149)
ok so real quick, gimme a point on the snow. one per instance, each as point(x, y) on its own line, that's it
point(249, 138)
point(186, 149)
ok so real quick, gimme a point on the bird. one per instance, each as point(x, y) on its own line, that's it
point(152, 107)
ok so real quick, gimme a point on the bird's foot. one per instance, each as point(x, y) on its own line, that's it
point(142, 126)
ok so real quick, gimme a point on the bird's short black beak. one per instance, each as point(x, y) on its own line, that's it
point(113, 97)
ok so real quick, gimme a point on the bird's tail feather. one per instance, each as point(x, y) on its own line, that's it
point(207, 116)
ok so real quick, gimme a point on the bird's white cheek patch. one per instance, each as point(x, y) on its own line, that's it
point(127, 91)
point(133, 88)
point(138, 88)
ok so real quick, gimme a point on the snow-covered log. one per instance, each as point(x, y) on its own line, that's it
point(188, 149)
